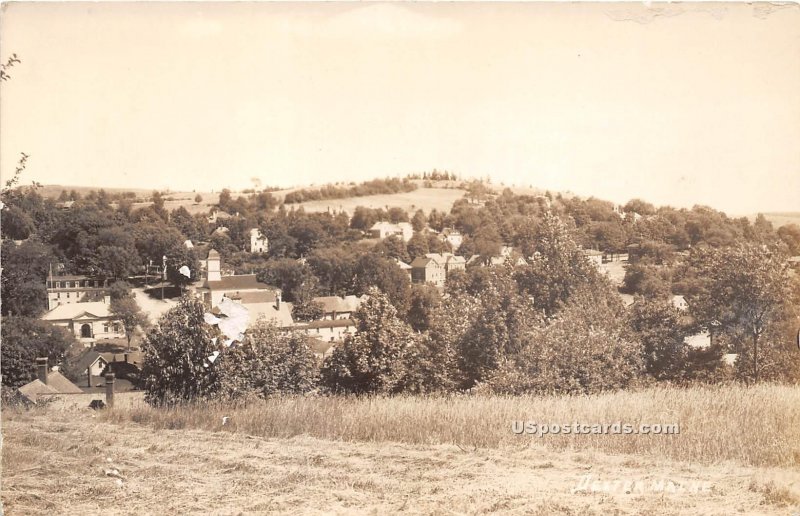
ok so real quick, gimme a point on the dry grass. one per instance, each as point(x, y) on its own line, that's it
point(425, 199)
point(757, 426)
point(57, 462)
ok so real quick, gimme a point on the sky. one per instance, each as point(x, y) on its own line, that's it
point(678, 104)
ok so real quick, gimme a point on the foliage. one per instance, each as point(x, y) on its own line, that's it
point(26, 339)
point(127, 311)
point(585, 349)
point(660, 329)
point(176, 352)
point(745, 293)
point(372, 360)
point(25, 270)
point(267, 363)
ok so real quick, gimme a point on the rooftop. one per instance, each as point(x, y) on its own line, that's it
point(68, 312)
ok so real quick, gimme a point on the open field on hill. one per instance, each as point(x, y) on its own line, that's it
point(82, 463)
point(425, 199)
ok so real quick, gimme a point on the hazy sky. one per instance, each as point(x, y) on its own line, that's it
point(679, 104)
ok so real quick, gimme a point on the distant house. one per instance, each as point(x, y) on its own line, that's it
point(507, 253)
point(328, 330)
point(794, 262)
point(47, 383)
point(383, 230)
point(266, 304)
point(698, 340)
point(258, 242)
point(335, 307)
point(425, 269)
point(91, 363)
point(87, 321)
point(435, 267)
point(452, 237)
point(403, 266)
point(321, 349)
point(188, 244)
point(216, 215)
point(62, 290)
point(680, 303)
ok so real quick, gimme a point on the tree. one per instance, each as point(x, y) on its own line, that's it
point(384, 274)
point(424, 300)
point(127, 311)
point(558, 269)
point(268, 362)
point(198, 199)
point(308, 311)
point(176, 367)
point(24, 340)
point(746, 289)
point(584, 350)
point(371, 361)
point(659, 328)
point(296, 280)
point(419, 220)
point(25, 270)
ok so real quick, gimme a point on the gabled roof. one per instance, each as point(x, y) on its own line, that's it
point(88, 359)
point(259, 296)
point(69, 312)
point(239, 282)
point(423, 261)
point(56, 384)
point(338, 304)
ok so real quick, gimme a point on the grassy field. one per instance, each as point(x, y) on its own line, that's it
point(424, 199)
point(738, 452)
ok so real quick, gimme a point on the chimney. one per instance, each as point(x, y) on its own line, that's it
point(42, 369)
point(277, 299)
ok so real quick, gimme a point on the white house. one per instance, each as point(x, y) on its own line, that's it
point(386, 229)
point(258, 242)
point(452, 237)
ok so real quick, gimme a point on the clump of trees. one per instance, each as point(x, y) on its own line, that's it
point(373, 187)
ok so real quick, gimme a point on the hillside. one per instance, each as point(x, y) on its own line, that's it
point(56, 463)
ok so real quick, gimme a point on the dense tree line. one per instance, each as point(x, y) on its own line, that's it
point(373, 187)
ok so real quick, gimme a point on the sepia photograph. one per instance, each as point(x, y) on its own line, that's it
point(425, 258)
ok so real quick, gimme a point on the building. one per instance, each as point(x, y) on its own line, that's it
point(452, 237)
point(87, 321)
point(218, 286)
point(383, 230)
point(258, 242)
point(335, 330)
point(47, 383)
point(62, 290)
point(680, 303)
point(434, 268)
point(335, 307)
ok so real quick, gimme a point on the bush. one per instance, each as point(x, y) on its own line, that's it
point(267, 363)
point(176, 352)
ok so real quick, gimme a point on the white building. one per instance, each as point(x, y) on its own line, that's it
point(63, 290)
point(87, 321)
point(258, 242)
point(386, 229)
